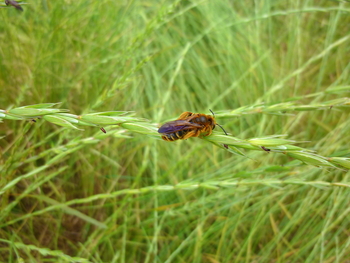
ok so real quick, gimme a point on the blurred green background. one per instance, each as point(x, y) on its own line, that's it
point(65, 197)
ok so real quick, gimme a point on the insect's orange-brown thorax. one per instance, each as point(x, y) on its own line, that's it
point(207, 121)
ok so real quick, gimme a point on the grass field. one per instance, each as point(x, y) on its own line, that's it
point(277, 76)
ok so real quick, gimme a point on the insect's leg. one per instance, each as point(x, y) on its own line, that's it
point(197, 133)
point(189, 135)
point(209, 131)
point(185, 115)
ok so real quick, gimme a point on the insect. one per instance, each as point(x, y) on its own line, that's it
point(14, 4)
point(189, 125)
point(179, 130)
point(265, 149)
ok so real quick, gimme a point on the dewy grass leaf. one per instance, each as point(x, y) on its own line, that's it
point(344, 162)
point(311, 158)
point(106, 120)
point(113, 113)
point(288, 148)
point(41, 106)
point(60, 121)
point(337, 89)
point(71, 118)
point(269, 141)
point(74, 119)
point(229, 140)
point(142, 128)
point(10, 117)
point(29, 112)
point(337, 102)
point(283, 108)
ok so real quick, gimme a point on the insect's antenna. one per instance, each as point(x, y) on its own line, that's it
point(225, 145)
point(218, 123)
point(222, 128)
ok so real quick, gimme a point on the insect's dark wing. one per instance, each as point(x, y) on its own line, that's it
point(178, 125)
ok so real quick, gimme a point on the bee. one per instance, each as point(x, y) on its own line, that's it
point(189, 125)
point(178, 130)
